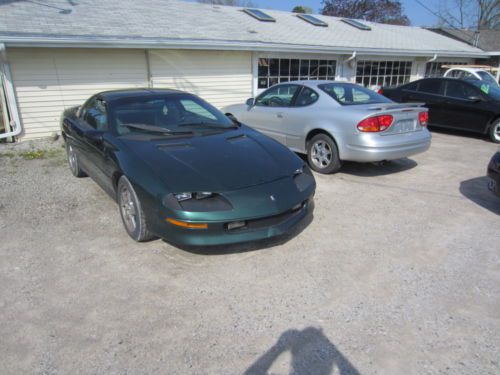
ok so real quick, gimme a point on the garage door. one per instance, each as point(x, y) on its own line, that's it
point(49, 80)
point(220, 77)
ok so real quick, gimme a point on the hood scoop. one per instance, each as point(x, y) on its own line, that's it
point(174, 146)
point(236, 138)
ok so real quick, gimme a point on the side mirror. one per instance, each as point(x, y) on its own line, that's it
point(250, 102)
point(94, 135)
point(475, 98)
point(232, 118)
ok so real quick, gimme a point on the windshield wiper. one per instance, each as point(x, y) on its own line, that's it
point(156, 129)
point(208, 125)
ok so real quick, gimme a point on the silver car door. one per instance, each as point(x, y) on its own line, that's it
point(268, 112)
point(298, 117)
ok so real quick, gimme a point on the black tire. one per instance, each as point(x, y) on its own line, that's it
point(74, 164)
point(494, 131)
point(323, 154)
point(133, 217)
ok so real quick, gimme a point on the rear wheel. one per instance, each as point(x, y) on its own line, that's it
point(323, 154)
point(131, 212)
point(495, 131)
point(73, 162)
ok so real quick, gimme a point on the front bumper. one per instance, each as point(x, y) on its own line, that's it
point(256, 229)
point(375, 147)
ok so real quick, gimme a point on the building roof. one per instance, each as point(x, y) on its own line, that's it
point(177, 24)
point(487, 40)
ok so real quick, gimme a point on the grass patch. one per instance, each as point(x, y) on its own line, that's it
point(33, 154)
point(7, 154)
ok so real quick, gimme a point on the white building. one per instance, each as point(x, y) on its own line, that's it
point(56, 54)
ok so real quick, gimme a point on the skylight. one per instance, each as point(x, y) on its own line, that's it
point(260, 15)
point(356, 24)
point(311, 19)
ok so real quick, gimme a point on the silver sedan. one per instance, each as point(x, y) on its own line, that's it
point(334, 121)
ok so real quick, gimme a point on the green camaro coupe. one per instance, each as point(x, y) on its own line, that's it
point(181, 170)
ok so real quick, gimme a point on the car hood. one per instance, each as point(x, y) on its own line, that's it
point(224, 161)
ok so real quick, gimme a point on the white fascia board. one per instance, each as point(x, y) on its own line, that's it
point(67, 42)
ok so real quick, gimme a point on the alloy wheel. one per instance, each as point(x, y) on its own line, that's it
point(496, 131)
point(73, 162)
point(321, 154)
point(128, 208)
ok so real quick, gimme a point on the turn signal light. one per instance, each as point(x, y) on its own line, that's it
point(423, 118)
point(185, 224)
point(375, 124)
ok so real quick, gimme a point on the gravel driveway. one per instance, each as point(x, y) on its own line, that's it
point(398, 273)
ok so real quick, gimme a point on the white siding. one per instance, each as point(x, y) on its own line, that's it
point(47, 81)
point(219, 77)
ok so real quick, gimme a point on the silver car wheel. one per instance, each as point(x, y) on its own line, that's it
point(321, 154)
point(496, 132)
point(128, 209)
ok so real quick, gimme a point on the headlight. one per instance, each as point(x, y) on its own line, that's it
point(303, 178)
point(197, 195)
point(200, 201)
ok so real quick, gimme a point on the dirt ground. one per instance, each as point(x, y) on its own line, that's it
point(398, 273)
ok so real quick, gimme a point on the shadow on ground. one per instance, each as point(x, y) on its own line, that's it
point(311, 352)
point(476, 189)
point(459, 133)
point(248, 246)
point(378, 169)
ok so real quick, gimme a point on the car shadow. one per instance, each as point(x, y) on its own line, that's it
point(459, 133)
point(311, 351)
point(378, 169)
point(248, 246)
point(374, 169)
point(476, 189)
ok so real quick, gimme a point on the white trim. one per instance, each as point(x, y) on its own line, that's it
point(79, 42)
point(10, 96)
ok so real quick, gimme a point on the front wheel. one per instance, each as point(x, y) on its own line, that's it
point(74, 164)
point(323, 154)
point(495, 131)
point(131, 212)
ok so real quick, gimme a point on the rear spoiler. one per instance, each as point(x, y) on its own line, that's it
point(395, 106)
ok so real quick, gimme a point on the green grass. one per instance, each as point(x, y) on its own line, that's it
point(33, 154)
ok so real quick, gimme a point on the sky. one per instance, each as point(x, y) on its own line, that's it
point(418, 15)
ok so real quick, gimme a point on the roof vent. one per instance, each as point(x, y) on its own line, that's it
point(356, 24)
point(311, 19)
point(260, 15)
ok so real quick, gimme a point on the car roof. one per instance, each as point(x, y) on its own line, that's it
point(136, 92)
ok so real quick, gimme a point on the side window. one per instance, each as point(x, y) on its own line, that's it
point(411, 86)
point(306, 97)
point(95, 115)
point(431, 86)
point(277, 96)
point(456, 90)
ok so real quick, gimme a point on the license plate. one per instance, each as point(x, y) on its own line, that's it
point(405, 126)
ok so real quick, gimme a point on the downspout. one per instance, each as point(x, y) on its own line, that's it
point(347, 61)
point(10, 96)
point(432, 59)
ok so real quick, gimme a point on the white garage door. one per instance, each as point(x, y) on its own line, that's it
point(47, 81)
point(219, 77)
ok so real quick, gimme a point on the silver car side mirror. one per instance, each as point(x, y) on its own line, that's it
point(250, 102)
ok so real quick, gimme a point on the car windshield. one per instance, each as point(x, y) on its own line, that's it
point(166, 114)
point(488, 78)
point(493, 91)
point(350, 94)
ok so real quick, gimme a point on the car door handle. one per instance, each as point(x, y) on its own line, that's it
point(279, 115)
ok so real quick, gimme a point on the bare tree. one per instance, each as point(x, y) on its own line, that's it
point(383, 11)
point(474, 14)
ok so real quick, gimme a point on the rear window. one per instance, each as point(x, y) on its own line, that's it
point(350, 94)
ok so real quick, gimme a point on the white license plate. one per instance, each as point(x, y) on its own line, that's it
point(405, 126)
